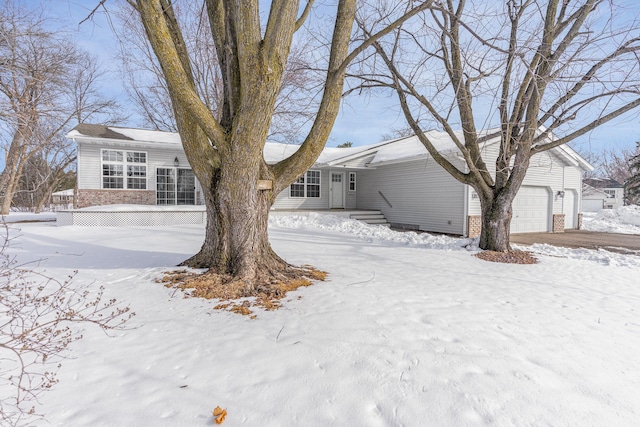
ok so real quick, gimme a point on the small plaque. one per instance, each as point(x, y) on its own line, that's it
point(265, 184)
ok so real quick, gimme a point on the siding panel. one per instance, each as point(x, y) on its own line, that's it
point(421, 193)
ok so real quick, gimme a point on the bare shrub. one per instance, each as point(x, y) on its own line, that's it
point(37, 317)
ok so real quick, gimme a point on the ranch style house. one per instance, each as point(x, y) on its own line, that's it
point(399, 178)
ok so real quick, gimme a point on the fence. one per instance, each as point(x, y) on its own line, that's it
point(132, 218)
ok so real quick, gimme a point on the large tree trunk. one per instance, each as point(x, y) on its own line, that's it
point(237, 242)
point(496, 223)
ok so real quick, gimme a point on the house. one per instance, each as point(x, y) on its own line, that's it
point(601, 193)
point(397, 178)
point(62, 199)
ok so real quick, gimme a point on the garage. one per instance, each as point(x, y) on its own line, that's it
point(530, 210)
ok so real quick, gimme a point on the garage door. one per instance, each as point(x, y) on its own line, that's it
point(569, 208)
point(530, 210)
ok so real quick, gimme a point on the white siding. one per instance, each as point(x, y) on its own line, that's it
point(90, 170)
point(283, 201)
point(421, 193)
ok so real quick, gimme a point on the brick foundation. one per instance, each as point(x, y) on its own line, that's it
point(579, 227)
point(88, 198)
point(558, 223)
point(474, 225)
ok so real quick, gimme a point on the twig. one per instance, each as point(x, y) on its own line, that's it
point(365, 281)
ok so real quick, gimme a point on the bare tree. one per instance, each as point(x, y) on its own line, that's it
point(148, 89)
point(540, 73)
point(225, 149)
point(610, 163)
point(45, 85)
point(615, 164)
point(44, 172)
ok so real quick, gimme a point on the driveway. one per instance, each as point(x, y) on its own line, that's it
point(621, 243)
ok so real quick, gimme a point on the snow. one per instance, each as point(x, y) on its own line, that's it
point(409, 329)
point(275, 152)
point(624, 219)
point(28, 216)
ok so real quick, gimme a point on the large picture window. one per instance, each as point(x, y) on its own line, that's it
point(308, 185)
point(115, 163)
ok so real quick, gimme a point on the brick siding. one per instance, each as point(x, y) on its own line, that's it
point(88, 198)
point(558, 223)
point(474, 225)
point(580, 221)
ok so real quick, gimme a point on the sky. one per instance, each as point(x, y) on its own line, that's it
point(362, 119)
point(408, 329)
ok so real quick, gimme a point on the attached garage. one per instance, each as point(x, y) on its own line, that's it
point(531, 211)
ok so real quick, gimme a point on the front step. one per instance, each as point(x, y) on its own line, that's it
point(372, 218)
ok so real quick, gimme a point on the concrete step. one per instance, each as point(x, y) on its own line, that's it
point(373, 218)
point(367, 216)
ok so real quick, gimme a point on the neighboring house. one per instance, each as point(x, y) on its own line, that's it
point(397, 177)
point(601, 193)
point(62, 199)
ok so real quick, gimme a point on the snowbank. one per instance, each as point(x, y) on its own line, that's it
point(625, 220)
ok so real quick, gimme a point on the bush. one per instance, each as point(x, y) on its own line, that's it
point(37, 317)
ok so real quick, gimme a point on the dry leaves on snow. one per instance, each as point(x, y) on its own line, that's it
point(219, 415)
point(511, 257)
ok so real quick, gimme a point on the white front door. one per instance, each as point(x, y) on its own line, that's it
point(337, 190)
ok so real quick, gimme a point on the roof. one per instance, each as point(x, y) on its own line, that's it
point(86, 131)
point(273, 151)
point(603, 183)
point(391, 151)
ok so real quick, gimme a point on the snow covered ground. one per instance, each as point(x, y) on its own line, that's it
point(408, 330)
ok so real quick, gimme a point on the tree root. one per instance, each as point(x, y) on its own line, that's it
point(241, 295)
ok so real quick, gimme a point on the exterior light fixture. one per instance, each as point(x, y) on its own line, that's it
point(176, 162)
point(560, 193)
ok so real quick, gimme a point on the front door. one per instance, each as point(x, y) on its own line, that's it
point(337, 190)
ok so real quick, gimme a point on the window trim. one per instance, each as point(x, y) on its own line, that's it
point(124, 163)
point(352, 181)
point(306, 184)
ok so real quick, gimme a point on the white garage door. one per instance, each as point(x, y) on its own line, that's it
point(569, 208)
point(530, 210)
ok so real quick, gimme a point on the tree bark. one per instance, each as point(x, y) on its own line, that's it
point(237, 242)
point(496, 223)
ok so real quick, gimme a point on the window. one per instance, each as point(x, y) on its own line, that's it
point(175, 186)
point(308, 185)
point(352, 181)
point(610, 193)
point(116, 162)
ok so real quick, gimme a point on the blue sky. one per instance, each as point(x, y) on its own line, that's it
point(362, 120)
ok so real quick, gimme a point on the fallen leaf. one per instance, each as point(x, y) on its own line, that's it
point(219, 415)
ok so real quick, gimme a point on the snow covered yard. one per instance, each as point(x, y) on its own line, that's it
point(407, 330)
